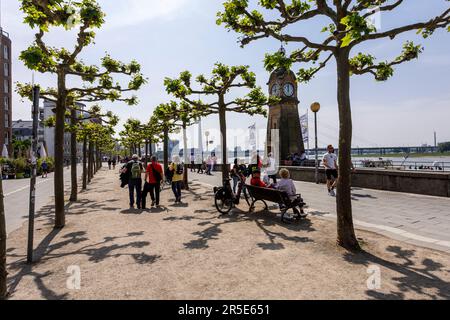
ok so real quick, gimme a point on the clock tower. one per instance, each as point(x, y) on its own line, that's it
point(284, 116)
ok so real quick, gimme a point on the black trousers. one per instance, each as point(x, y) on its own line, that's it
point(154, 190)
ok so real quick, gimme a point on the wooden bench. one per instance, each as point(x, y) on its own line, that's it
point(272, 195)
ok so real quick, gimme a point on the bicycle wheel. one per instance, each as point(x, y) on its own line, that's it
point(223, 201)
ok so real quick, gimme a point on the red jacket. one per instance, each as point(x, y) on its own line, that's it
point(150, 176)
point(256, 182)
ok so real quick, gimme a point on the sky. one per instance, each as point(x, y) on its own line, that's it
point(170, 36)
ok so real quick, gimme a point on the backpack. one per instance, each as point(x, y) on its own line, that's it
point(180, 169)
point(169, 174)
point(156, 174)
point(136, 170)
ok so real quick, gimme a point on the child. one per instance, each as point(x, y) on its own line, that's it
point(256, 180)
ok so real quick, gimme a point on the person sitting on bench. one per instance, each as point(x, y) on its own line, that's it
point(257, 182)
point(287, 185)
point(256, 179)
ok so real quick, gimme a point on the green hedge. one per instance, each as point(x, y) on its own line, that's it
point(21, 166)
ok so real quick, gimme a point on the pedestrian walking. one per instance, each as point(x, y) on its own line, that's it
point(213, 162)
point(177, 170)
point(199, 161)
point(208, 166)
point(134, 170)
point(153, 177)
point(114, 163)
point(331, 169)
point(44, 168)
point(271, 168)
point(192, 163)
point(109, 163)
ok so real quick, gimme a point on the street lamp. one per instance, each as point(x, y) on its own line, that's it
point(315, 107)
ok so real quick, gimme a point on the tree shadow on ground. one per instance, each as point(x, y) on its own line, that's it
point(160, 209)
point(413, 277)
point(179, 205)
point(205, 195)
point(267, 219)
point(48, 250)
point(264, 221)
point(357, 196)
point(318, 213)
point(132, 211)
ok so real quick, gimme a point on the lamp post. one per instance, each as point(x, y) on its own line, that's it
point(315, 107)
point(32, 203)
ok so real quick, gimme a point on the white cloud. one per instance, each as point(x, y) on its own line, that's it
point(133, 12)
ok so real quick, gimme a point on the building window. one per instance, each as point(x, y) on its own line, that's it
point(6, 69)
point(6, 103)
point(6, 52)
point(6, 86)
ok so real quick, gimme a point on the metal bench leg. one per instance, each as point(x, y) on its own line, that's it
point(265, 203)
point(283, 213)
point(252, 206)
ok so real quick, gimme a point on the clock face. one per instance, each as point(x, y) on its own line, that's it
point(288, 89)
point(276, 90)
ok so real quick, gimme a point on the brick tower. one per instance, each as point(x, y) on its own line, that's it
point(284, 115)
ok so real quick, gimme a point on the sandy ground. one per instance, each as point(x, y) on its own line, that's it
point(188, 252)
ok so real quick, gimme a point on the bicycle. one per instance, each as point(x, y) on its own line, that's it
point(225, 199)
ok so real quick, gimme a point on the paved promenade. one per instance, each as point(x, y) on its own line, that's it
point(416, 219)
point(189, 251)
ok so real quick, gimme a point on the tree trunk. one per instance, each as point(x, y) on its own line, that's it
point(85, 163)
point(223, 137)
point(186, 159)
point(95, 159)
point(90, 165)
point(166, 148)
point(146, 153)
point(73, 157)
point(60, 219)
point(3, 273)
point(94, 162)
point(346, 233)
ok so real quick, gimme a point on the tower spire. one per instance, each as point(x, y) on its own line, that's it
point(282, 49)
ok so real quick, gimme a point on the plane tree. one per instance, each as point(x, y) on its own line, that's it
point(345, 27)
point(82, 129)
point(180, 115)
point(98, 81)
point(217, 89)
point(164, 123)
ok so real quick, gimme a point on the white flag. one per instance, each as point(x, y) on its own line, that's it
point(252, 136)
point(304, 127)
